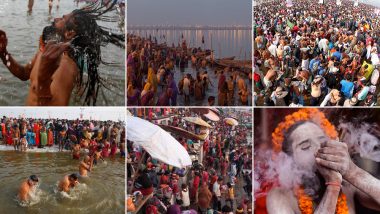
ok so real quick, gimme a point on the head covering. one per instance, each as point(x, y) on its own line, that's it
point(309, 114)
point(350, 102)
point(280, 93)
point(174, 209)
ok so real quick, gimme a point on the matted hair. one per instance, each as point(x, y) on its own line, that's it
point(86, 46)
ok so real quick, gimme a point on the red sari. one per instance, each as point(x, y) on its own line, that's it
point(105, 151)
point(50, 138)
point(9, 137)
point(194, 190)
point(36, 130)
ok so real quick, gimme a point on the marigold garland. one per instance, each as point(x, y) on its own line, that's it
point(305, 202)
point(309, 114)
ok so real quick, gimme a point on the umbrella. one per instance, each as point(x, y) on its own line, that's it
point(216, 111)
point(211, 115)
point(157, 142)
point(184, 133)
point(231, 121)
point(198, 121)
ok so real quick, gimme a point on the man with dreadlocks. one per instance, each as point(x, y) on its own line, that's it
point(320, 174)
point(68, 48)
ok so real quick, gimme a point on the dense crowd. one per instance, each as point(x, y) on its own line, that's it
point(151, 68)
point(220, 179)
point(312, 54)
point(23, 134)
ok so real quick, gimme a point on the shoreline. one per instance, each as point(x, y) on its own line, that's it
point(47, 149)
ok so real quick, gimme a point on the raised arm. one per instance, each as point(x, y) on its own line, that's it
point(335, 156)
point(368, 186)
point(21, 72)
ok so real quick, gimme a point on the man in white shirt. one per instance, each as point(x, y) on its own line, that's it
point(217, 204)
point(273, 49)
point(323, 45)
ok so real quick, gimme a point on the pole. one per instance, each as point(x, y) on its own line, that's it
point(138, 169)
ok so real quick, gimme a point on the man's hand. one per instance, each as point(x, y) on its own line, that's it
point(329, 175)
point(3, 42)
point(334, 155)
point(51, 57)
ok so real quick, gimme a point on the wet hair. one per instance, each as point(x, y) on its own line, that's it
point(33, 178)
point(86, 46)
point(73, 176)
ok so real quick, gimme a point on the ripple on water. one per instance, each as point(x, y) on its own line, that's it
point(93, 194)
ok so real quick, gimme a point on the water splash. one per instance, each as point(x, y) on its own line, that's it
point(75, 193)
point(36, 195)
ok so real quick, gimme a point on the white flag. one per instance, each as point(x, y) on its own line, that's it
point(338, 2)
point(321, 2)
point(356, 3)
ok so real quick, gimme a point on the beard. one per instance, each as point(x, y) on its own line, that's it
point(314, 186)
point(50, 33)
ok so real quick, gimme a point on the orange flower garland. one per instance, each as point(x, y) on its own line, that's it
point(309, 114)
point(305, 202)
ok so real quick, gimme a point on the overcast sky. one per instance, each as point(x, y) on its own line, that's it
point(97, 113)
point(189, 12)
point(373, 2)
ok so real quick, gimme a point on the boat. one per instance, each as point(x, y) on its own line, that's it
point(241, 64)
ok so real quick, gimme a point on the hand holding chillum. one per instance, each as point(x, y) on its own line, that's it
point(334, 156)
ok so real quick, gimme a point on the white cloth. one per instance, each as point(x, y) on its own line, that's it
point(157, 142)
point(185, 198)
point(305, 64)
point(273, 50)
point(186, 86)
point(323, 45)
point(216, 189)
point(374, 59)
point(375, 77)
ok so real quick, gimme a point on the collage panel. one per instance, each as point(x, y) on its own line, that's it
point(316, 53)
point(62, 160)
point(189, 160)
point(60, 53)
point(189, 53)
point(310, 160)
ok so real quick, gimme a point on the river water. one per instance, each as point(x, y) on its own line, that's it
point(225, 43)
point(94, 194)
point(23, 31)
